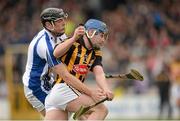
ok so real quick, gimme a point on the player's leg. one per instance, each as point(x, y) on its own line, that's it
point(34, 101)
point(99, 112)
point(63, 97)
point(57, 100)
point(84, 117)
point(56, 114)
point(43, 112)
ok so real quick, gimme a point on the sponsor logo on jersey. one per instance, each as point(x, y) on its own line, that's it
point(80, 68)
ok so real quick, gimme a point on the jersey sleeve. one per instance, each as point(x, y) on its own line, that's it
point(51, 59)
point(46, 52)
point(98, 60)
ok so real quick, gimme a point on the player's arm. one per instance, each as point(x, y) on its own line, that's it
point(101, 81)
point(62, 48)
point(100, 76)
point(71, 80)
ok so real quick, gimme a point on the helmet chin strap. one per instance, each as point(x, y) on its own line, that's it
point(52, 25)
point(89, 39)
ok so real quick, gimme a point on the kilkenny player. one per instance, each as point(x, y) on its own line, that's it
point(83, 56)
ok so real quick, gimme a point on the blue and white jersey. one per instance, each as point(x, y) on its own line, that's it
point(40, 59)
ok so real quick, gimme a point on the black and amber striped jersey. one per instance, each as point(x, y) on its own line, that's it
point(80, 60)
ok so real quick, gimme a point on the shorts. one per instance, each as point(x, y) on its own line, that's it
point(60, 95)
point(33, 100)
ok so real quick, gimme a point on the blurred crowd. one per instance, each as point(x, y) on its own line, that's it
point(143, 34)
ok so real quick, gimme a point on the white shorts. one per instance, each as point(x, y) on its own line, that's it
point(60, 95)
point(35, 102)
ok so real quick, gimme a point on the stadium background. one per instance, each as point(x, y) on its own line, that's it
point(143, 34)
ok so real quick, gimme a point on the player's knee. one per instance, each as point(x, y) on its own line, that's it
point(83, 117)
point(103, 109)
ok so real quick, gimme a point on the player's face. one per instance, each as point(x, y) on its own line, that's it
point(99, 39)
point(59, 25)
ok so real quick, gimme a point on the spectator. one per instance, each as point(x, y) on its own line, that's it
point(164, 86)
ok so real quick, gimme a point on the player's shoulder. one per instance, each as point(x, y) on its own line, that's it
point(39, 36)
point(98, 52)
point(39, 39)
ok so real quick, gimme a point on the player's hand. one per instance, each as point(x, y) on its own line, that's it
point(79, 31)
point(97, 95)
point(109, 94)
